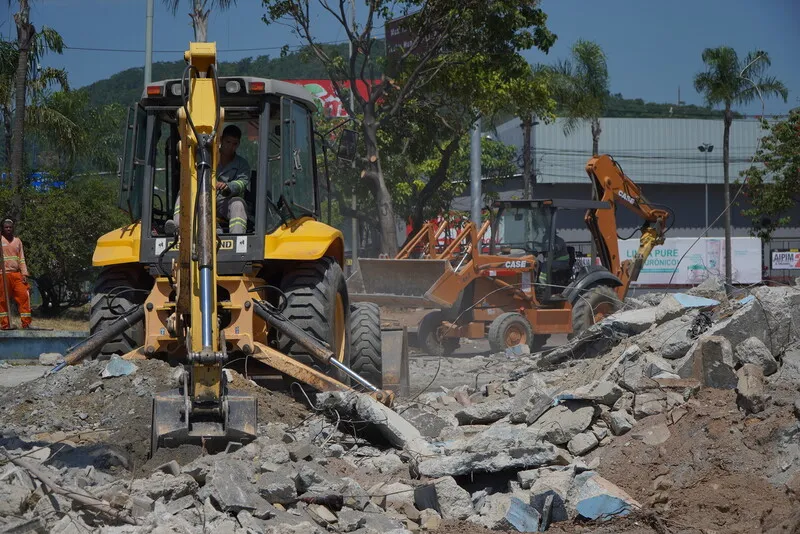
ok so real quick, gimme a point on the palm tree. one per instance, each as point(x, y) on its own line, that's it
point(582, 91)
point(582, 88)
point(30, 46)
point(201, 9)
point(728, 81)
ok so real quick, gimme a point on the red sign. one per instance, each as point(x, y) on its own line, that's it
point(325, 96)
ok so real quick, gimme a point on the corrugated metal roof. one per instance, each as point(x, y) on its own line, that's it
point(649, 150)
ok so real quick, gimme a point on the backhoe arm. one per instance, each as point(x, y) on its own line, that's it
point(614, 187)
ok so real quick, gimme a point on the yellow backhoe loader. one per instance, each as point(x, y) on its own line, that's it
point(183, 288)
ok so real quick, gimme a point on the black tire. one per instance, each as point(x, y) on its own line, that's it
point(590, 304)
point(508, 330)
point(365, 341)
point(107, 285)
point(429, 338)
point(313, 291)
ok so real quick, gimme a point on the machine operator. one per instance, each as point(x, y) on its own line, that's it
point(232, 180)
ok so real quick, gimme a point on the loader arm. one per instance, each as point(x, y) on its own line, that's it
point(616, 188)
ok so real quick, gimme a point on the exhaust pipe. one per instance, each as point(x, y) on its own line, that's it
point(92, 345)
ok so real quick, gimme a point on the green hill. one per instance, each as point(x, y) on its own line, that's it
point(125, 87)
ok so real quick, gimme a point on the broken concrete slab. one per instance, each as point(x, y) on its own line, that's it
point(749, 320)
point(50, 358)
point(116, 366)
point(278, 487)
point(527, 478)
point(752, 350)
point(631, 322)
point(489, 411)
point(601, 392)
point(228, 485)
point(393, 495)
point(598, 498)
point(531, 400)
point(651, 403)
point(396, 430)
point(620, 422)
point(350, 520)
point(533, 454)
point(428, 421)
point(502, 511)
point(750, 394)
point(675, 305)
point(712, 363)
point(656, 365)
point(555, 484)
point(669, 340)
point(161, 485)
point(711, 288)
point(12, 499)
point(445, 496)
point(429, 519)
point(781, 310)
point(582, 443)
point(563, 422)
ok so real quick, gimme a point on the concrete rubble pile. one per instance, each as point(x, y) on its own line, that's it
point(507, 456)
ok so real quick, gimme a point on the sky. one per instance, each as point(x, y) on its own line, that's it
point(653, 48)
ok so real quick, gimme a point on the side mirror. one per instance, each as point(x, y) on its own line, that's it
point(348, 142)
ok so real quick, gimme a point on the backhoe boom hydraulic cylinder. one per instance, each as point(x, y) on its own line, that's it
point(314, 347)
point(205, 240)
point(92, 346)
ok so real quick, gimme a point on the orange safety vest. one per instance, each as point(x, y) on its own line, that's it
point(14, 256)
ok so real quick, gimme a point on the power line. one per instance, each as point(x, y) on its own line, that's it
point(141, 51)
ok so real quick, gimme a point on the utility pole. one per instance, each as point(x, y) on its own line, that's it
point(354, 203)
point(706, 149)
point(148, 45)
point(475, 173)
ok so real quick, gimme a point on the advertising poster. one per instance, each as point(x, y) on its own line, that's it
point(705, 258)
point(785, 259)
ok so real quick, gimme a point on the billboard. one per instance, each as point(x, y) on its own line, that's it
point(706, 258)
point(785, 259)
point(325, 96)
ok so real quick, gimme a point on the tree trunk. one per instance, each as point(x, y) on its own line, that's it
point(596, 131)
point(726, 137)
point(374, 173)
point(200, 22)
point(527, 170)
point(433, 185)
point(25, 32)
point(7, 136)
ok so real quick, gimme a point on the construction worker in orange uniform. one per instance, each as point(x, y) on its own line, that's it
point(16, 277)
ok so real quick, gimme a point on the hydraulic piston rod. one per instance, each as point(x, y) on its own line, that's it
point(205, 241)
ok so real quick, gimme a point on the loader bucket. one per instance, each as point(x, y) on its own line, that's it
point(212, 430)
point(399, 282)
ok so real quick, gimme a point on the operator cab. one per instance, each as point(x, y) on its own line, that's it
point(529, 227)
point(276, 122)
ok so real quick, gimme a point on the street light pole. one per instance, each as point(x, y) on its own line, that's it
point(706, 148)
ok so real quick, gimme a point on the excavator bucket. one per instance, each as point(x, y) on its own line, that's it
point(234, 422)
point(399, 282)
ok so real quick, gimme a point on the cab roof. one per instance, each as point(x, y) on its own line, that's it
point(245, 90)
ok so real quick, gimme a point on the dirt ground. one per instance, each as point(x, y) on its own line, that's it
point(79, 406)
